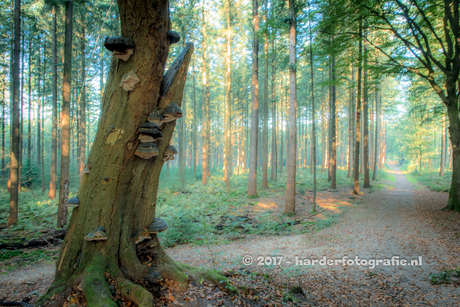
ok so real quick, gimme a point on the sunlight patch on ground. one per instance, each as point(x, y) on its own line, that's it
point(266, 205)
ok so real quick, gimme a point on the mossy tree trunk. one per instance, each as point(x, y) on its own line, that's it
point(120, 191)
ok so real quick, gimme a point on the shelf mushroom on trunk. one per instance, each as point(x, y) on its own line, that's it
point(121, 47)
point(169, 153)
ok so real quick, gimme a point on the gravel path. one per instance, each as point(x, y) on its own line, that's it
point(405, 222)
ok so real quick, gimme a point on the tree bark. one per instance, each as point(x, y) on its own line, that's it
point(274, 156)
point(65, 118)
point(252, 177)
point(205, 108)
point(289, 207)
point(351, 117)
point(313, 124)
point(82, 107)
point(120, 192)
point(265, 131)
point(366, 183)
point(358, 113)
point(14, 153)
point(194, 132)
point(377, 133)
point(442, 163)
point(228, 110)
point(53, 176)
point(333, 124)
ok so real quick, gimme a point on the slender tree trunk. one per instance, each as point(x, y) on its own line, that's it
point(351, 119)
point(39, 105)
point(205, 101)
point(42, 128)
point(65, 117)
point(291, 161)
point(29, 113)
point(252, 177)
point(53, 175)
point(194, 132)
point(14, 155)
point(443, 148)
point(313, 124)
point(377, 133)
point(82, 107)
point(367, 183)
point(3, 84)
point(333, 123)
point(358, 113)
point(228, 110)
point(265, 132)
point(274, 157)
point(21, 115)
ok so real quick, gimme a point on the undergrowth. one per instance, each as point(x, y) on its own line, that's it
point(196, 214)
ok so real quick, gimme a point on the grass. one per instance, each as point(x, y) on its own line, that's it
point(431, 180)
point(11, 259)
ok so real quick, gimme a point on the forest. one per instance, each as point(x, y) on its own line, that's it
point(204, 152)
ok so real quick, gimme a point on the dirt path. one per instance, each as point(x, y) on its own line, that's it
point(404, 221)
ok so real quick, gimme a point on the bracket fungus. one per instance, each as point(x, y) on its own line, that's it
point(173, 37)
point(153, 277)
point(121, 47)
point(147, 150)
point(157, 226)
point(151, 129)
point(155, 117)
point(129, 81)
point(86, 170)
point(171, 112)
point(169, 153)
point(73, 202)
point(97, 234)
point(144, 235)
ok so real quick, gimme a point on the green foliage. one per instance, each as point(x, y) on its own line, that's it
point(21, 258)
point(432, 180)
point(445, 277)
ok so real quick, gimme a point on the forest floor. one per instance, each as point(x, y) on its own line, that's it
point(399, 219)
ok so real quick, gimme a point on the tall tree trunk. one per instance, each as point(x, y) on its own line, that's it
point(265, 131)
point(274, 156)
point(351, 119)
point(29, 113)
point(283, 128)
point(21, 115)
point(65, 118)
point(129, 179)
point(313, 124)
point(289, 207)
point(194, 132)
point(443, 148)
point(53, 175)
point(42, 128)
point(252, 177)
point(377, 133)
point(39, 106)
point(366, 183)
point(82, 107)
point(14, 155)
point(358, 113)
point(205, 102)
point(3, 103)
point(333, 123)
point(228, 110)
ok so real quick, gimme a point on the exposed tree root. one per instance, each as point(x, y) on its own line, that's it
point(95, 277)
